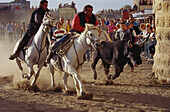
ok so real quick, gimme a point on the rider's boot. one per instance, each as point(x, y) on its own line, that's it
point(53, 49)
point(15, 54)
point(22, 44)
point(50, 55)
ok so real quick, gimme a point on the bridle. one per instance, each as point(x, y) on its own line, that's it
point(93, 41)
point(45, 29)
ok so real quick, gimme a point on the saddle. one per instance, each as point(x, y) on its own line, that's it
point(65, 46)
point(63, 49)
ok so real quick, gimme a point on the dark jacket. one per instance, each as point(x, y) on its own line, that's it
point(36, 18)
point(92, 19)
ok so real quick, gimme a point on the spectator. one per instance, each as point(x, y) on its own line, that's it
point(58, 33)
point(124, 34)
point(68, 25)
point(135, 7)
point(2, 31)
point(23, 29)
point(133, 33)
point(63, 24)
point(112, 29)
point(152, 43)
point(24, 7)
point(135, 24)
point(54, 27)
point(18, 31)
point(103, 26)
point(10, 30)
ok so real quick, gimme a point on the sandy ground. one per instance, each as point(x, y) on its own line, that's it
point(134, 91)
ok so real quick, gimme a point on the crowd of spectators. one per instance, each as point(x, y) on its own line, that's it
point(146, 2)
point(12, 7)
point(140, 30)
point(12, 31)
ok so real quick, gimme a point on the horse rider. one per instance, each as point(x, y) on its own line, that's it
point(78, 25)
point(35, 22)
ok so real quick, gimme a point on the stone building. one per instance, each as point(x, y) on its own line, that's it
point(22, 4)
point(143, 4)
point(161, 66)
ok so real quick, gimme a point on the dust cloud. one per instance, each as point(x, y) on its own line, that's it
point(9, 68)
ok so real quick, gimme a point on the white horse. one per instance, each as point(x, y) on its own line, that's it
point(73, 59)
point(37, 52)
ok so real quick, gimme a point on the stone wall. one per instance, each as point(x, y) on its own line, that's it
point(161, 66)
point(18, 16)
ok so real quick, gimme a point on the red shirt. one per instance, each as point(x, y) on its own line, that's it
point(76, 26)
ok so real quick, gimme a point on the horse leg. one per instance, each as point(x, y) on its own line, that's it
point(77, 81)
point(37, 74)
point(19, 65)
point(31, 71)
point(65, 78)
point(95, 60)
point(52, 76)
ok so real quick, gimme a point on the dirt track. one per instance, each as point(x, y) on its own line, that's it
point(131, 92)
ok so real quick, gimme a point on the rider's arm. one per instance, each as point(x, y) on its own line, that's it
point(76, 24)
point(38, 18)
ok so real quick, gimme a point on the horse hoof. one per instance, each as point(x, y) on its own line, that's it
point(85, 97)
point(109, 82)
point(25, 76)
point(71, 92)
point(34, 88)
point(58, 89)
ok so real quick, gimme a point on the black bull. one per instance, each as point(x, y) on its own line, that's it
point(116, 53)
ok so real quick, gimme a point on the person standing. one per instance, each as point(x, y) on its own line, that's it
point(58, 33)
point(123, 34)
point(63, 24)
point(68, 25)
point(35, 22)
point(10, 31)
point(2, 31)
point(23, 29)
point(112, 29)
point(78, 25)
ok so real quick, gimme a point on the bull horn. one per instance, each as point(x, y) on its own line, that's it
point(129, 44)
point(141, 44)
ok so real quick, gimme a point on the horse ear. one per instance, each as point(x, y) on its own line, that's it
point(46, 14)
point(87, 26)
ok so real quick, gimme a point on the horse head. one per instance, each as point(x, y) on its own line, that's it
point(47, 22)
point(92, 35)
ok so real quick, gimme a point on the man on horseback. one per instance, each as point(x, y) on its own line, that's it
point(35, 22)
point(78, 25)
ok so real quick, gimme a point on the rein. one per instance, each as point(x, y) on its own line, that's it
point(40, 50)
point(84, 47)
